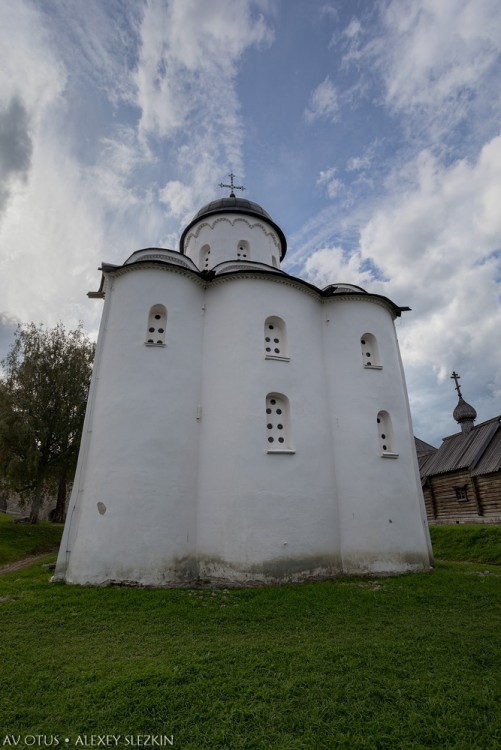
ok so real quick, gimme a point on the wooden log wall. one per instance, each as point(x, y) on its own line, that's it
point(489, 488)
point(483, 503)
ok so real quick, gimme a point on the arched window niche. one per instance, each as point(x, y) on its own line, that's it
point(386, 436)
point(275, 338)
point(278, 424)
point(243, 250)
point(157, 323)
point(370, 352)
point(204, 258)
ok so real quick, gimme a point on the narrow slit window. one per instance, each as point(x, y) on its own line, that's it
point(275, 338)
point(386, 437)
point(370, 351)
point(157, 323)
point(204, 258)
point(278, 424)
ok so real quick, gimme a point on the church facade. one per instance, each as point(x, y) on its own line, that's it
point(243, 425)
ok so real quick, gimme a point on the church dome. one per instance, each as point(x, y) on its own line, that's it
point(240, 205)
point(464, 412)
point(234, 205)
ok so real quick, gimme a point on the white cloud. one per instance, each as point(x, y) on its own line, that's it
point(52, 229)
point(358, 162)
point(332, 265)
point(186, 87)
point(31, 82)
point(442, 222)
point(323, 102)
point(57, 249)
point(432, 55)
point(120, 155)
point(203, 36)
point(353, 29)
point(118, 119)
point(178, 197)
point(364, 161)
point(31, 78)
point(333, 185)
point(437, 239)
point(189, 53)
point(430, 237)
point(29, 69)
point(88, 183)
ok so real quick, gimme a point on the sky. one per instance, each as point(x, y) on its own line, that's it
point(370, 131)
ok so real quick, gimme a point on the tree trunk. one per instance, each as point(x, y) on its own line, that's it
point(59, 512)
point(36, 504)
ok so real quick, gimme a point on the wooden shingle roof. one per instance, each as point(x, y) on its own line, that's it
point(478, 451)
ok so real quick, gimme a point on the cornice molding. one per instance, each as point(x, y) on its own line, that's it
point(173, 267)
point(263, 276)
point(181, 261)
point(351, 297)
point(230, 266)
point(210, 281)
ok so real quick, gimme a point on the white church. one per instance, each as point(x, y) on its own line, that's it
point(243, 426)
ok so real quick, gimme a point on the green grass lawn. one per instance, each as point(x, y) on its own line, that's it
point(18, 540)
point(468, 542)
point(383, 663)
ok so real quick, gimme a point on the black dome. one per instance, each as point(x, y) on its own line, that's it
point(239, 206)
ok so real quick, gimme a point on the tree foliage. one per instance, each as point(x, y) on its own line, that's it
point(43, 397)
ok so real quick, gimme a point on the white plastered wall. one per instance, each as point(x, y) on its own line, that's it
point(175, 479)
point(223, 233)
point(263, 513)
point(134, 516)
point(382, 521)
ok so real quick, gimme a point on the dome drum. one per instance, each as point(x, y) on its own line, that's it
point(233, 207)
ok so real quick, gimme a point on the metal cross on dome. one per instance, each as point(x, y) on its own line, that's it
point(455, 377)
point(231, 185)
